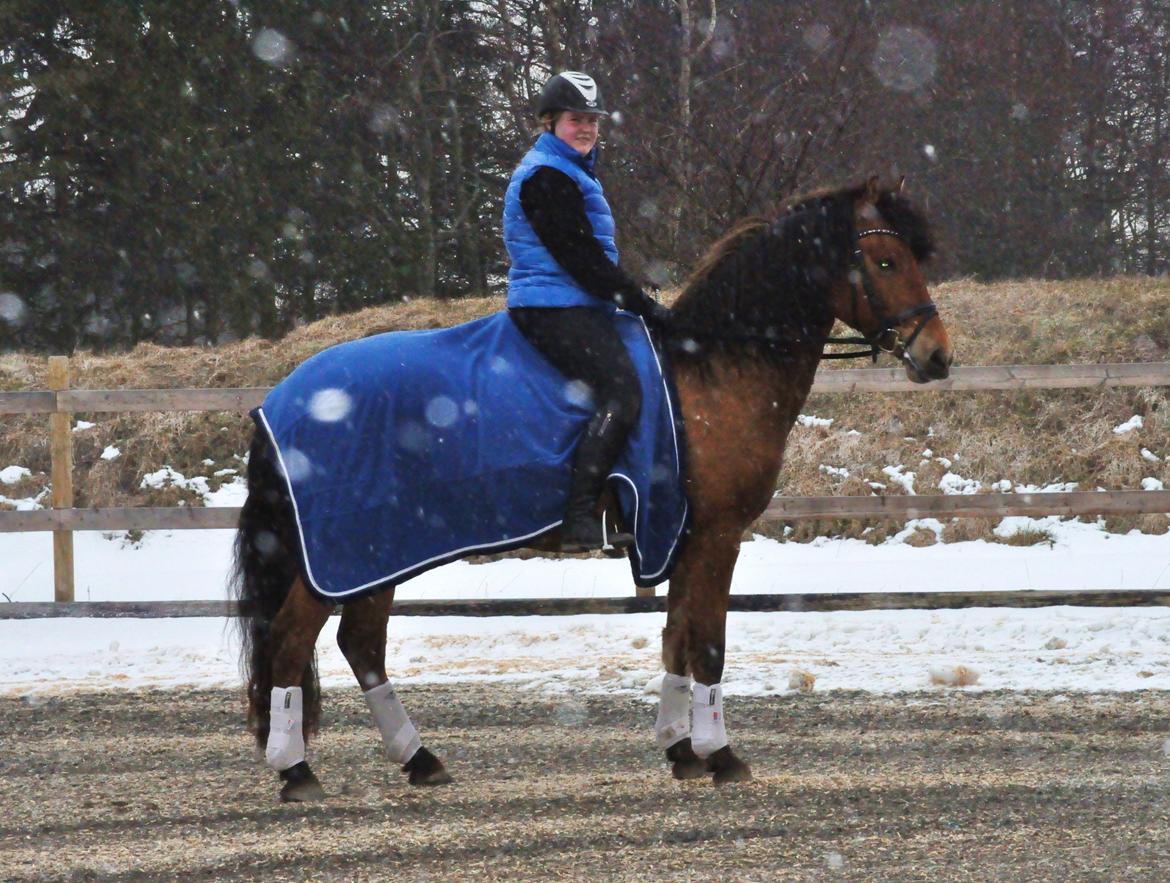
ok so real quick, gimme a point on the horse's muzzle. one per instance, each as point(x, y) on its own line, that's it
point(936, 366)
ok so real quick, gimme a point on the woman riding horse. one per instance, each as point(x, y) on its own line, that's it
point(748, 333)
point(565, 284)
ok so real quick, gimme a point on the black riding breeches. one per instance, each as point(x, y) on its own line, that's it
point(583, 344)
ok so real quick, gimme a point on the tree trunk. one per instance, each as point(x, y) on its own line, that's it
point(687, 54)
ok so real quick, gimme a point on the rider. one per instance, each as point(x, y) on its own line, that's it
point(564, 287)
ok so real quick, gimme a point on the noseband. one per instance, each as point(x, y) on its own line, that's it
point(887, 338)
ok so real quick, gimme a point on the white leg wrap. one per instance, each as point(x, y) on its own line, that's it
point(674, 710)
point(286, 737)
point(399, 736)
point(710, 733)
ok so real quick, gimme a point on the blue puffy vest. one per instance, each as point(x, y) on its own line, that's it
point(535, 278)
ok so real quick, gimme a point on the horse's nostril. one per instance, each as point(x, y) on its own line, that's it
point(940, 363)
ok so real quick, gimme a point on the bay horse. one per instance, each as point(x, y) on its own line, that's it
point(745, 337)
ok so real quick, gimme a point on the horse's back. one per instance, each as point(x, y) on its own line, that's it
point(408, 449)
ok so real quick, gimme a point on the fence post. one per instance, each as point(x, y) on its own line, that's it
point(61, 453)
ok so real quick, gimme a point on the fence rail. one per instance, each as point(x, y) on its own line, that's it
point(794, 603)
point(970, 379)
point(1067, 504)
point(61, 402)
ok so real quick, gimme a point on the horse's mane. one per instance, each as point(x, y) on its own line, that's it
point(760, 288)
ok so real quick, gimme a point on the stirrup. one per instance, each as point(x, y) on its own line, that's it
point(607, 543)
point(614, 546)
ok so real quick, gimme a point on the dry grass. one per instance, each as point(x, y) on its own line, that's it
point(184, 440)
point(1035, 438)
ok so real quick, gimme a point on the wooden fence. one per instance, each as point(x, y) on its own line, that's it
point(61, 402)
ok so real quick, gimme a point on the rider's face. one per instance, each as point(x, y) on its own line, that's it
point(578, 130)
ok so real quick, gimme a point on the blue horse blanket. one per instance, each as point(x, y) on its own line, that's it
point(405, 450)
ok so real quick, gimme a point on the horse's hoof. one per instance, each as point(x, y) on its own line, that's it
point(426, 769)
point(685, 763)
point(727, 767)
point(300, 785)
point(688, 769)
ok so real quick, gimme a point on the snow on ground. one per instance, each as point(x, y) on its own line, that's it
point(193, 565)
point(1057, 648)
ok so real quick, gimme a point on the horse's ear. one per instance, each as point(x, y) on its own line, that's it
point(872, 191)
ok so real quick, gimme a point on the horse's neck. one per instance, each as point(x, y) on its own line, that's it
point(776, 392)
point(738, 414)
point(757, 393)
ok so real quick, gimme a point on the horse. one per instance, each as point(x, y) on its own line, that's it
point(745, 338)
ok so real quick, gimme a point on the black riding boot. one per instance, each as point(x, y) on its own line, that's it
point(582, 530)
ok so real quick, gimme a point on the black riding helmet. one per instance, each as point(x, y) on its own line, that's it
point(570, 90)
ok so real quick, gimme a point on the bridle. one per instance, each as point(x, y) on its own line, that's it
point(887, 338)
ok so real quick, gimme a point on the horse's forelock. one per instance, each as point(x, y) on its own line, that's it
point(904, 216)
point(897, 212)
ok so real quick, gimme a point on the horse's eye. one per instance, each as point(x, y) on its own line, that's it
point(885, 264)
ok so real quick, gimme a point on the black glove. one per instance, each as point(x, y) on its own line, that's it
point(657, 315)
point(636, 300)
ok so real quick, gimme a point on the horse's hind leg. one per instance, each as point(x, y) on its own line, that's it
point(362, 639)
point(294, 635)
point(672, 729)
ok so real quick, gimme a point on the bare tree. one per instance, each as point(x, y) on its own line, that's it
point(687, 54)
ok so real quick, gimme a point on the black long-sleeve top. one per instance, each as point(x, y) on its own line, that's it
point(555, 208)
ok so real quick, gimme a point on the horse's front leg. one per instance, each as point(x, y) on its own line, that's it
point(706, 572)
point(672, 729)
point(294, 635)
point(362, 639)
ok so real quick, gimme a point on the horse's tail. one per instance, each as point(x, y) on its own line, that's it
point(266, 563)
